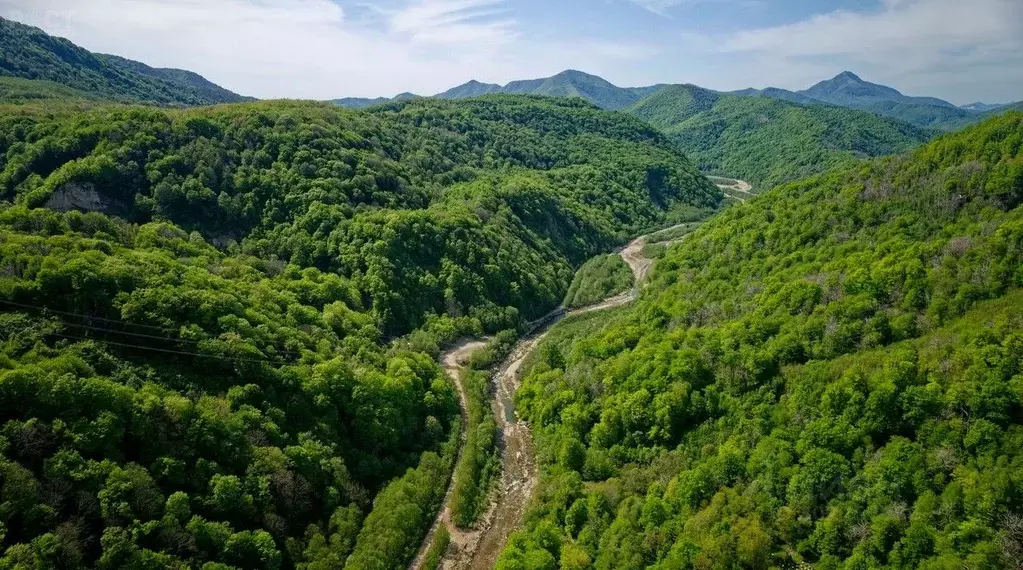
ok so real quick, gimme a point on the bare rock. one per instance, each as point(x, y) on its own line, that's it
point(78, 196)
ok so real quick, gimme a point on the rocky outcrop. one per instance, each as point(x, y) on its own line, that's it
point(78, 196)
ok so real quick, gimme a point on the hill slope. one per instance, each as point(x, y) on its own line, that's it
point(471, 89)
point(827, 375)
point(924, 115)
point(766, 141)
point(981, 107)
point(18, 91)
point(30, 53)
point(167, 403)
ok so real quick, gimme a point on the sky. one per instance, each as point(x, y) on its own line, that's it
point(960, 50)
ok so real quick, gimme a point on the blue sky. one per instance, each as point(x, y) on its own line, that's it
point(961, 50)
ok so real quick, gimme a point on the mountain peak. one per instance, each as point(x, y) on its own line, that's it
point(849, 76)
point(576, 74)
point(848, 90)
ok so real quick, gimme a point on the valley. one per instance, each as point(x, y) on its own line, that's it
point(478, 548)
point(411, 332)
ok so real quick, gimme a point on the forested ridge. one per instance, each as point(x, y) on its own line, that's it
point(767, 141)
point(513, 191)
point(826, 375)
point(32, 54)
point(220, 325)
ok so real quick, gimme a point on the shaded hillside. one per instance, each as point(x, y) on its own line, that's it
point(30, 53)
point(827, 375)
point(209, 178)
point(926, 116)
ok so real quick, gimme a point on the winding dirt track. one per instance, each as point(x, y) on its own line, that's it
point(478, 548)
point(453, 360)
point(733, 188)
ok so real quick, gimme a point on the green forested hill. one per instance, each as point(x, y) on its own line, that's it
point(30, 53)
point(767, 141)
point(18, 91)
point(197, 310)
point(828, 374)
point(569, 83)
point(373, 194)
point(926, 116)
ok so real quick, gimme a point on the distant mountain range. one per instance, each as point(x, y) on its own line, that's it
point(570, 83)
point(981, 107)
point(848, 90)
point(30, 53)
point(765, 136)
point(844, 90)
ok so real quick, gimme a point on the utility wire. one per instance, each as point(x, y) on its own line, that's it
point(139, 335)
point(163, 350)
point(67, 314)
point(163, 338)
point(127, 333)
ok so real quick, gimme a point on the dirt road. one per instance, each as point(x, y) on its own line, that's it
point(733, 188)
point(453, 361)
point(479, 548)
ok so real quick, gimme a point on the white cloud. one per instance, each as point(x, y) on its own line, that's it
point(665, 7)
point(317, 49)
point(314, 48)
point(960, 50)
point(659, 7)
point(454, 21)
point(902, 39)
point(916, 25)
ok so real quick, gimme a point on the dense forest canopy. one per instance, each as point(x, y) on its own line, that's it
point(599, 278)
point(197, 307)
point(827, 375)
point(428, 206)
point(220, 326)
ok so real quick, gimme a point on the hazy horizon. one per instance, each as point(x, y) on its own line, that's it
point(324, 49)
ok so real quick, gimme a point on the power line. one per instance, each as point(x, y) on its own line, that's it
point(80, 315)
point(163, 338)
point(127, 333)
point(163, 350)
point(139, 335)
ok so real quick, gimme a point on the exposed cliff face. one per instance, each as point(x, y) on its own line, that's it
point(78, 196)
